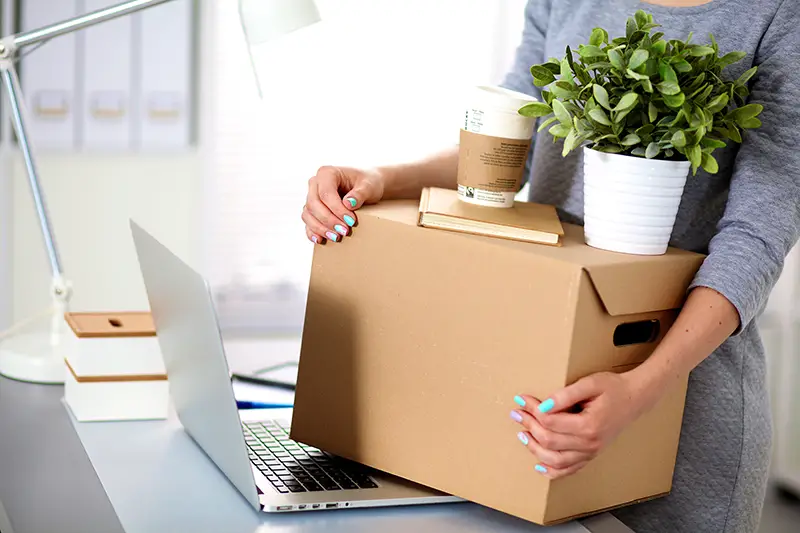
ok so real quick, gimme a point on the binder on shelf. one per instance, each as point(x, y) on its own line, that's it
point(163, 89)
point(49, 77)
point(107, 59)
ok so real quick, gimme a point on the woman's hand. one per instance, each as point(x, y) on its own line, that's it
point(572, 427)
point(334, 194)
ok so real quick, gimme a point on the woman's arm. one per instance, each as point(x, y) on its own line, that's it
point(408, 180)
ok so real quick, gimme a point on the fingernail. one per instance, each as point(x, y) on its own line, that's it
point(519, 401)
point(353, 202)
point(332, 236)
point(523, 438)
point(516, 416)
point(341, 229)
point(315, 239)
point(546, 405)
point(350, 220)
point(540, 469)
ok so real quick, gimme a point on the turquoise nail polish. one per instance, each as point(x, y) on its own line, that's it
point(523, 438)
point(546, 405)
point(353, 202)
point(519, 401)
point(350, 220)
point(332, 236)
point(540, 469)
point(341, 229)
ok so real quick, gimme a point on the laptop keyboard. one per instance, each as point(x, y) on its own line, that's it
point(295, 467)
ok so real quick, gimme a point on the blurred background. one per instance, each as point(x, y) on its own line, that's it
point(157, 117)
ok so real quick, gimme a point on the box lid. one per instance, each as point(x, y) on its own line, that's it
point(626, 284)
point(113, 347)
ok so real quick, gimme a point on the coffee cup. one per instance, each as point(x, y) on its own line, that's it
point(494, 145)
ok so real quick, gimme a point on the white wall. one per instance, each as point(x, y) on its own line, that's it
point(90, 199)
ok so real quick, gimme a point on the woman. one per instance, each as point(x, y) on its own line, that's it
point(746, 218)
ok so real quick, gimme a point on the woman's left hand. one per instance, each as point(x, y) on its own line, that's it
point(565, 439)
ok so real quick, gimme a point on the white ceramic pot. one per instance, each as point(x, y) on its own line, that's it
point(630, 203)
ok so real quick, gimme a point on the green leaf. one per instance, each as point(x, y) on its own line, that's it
point(667, 73)
point(659, 47)
point(590, 51)
point(647, 85)
point(599, 116)
point(710, 164)
point(553, 65)
point(638, 58)
point(652, 150)
point(695, 155)
point(669, 153)
point(682, 66)
point(745, 112)
point(601, 96)
point(718, 103)
point(547, 96)
point(730, 58)
point(541, 83)
point(609, 148)
point(641, 18)
point(734, 134)
point(540, 72)
point(713, 43)
point(669, 88)
point(630, 28)
point(674, 101)
point(621, 115)
point(712, 143)
point(647, 129)
point(616, 60)
point(547, 123)
point(637, 76)
point(700, 51)
point(535, 109)
point(652, 112)
point(570, 143)
point(656, 36)
point(744, 78)
point(600, 65)
point(679, 139)
point(560, 130)
point(563, 94)
point(630, 140)
point(566, 71)
point(639, 151)
point(628, 101)
point(598, 37)
point(617, 128)
point(561, 112)
point(749, 123)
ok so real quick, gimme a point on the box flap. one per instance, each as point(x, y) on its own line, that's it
point(644, 287)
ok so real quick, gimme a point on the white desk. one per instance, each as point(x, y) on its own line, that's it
point(149, 477)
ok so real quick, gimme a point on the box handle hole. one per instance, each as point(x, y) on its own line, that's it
point(637, 332)
point(116, 322)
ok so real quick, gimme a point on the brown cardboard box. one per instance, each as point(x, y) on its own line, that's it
point(416, 341)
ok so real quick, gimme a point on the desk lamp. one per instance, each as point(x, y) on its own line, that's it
point(38, 356)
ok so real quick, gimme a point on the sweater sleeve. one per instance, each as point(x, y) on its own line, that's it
point(530, 50)
point(761, 222)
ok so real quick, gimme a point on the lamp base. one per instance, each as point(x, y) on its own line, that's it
point(31, 357)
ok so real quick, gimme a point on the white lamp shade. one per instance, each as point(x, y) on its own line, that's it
point(264, 20)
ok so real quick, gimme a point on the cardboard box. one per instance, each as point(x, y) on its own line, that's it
point(416, 341)
point(114, 368)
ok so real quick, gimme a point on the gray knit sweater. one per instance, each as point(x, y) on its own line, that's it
point(746, 217)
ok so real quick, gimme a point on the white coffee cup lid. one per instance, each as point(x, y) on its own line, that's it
point(501, 98)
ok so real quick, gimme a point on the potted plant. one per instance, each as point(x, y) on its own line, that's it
point(649, 110)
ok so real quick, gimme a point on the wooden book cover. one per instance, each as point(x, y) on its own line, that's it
point(528, 222)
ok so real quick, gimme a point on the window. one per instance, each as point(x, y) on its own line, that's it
point(378, 81)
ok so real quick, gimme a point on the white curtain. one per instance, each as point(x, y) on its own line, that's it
point(378, 81)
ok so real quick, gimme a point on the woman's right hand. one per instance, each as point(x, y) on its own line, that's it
point(334, 195)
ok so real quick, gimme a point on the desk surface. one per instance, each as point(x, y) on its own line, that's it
point(49, 483)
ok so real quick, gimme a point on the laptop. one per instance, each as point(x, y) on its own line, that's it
point(252, 448)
